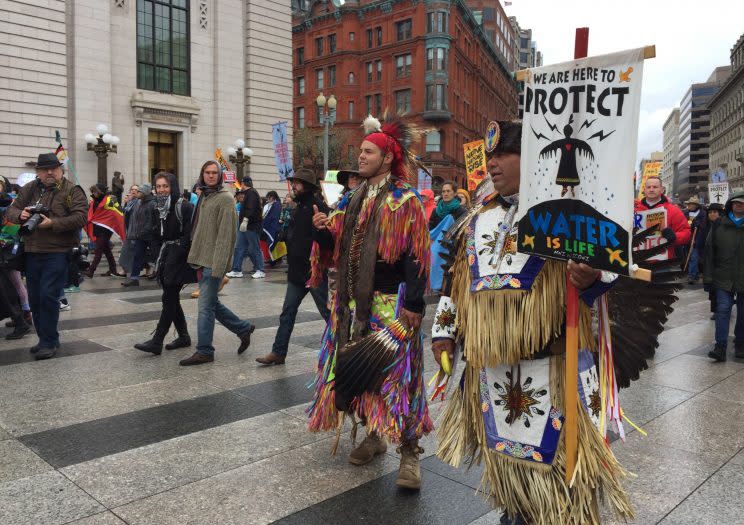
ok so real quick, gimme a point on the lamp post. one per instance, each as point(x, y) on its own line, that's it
point(239, 155)
point(101, 145)
point(327, 118)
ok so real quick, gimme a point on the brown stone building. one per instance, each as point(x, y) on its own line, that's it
point(727, 123)
point(431, 60)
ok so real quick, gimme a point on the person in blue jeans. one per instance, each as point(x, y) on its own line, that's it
point(299, 244)
point(48, 244)
point(249, 232)
point(212, 245)
point(724, 270)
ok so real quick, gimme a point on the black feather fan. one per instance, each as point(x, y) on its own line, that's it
point(638, 311)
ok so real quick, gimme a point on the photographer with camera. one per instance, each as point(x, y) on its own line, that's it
point(51, 211)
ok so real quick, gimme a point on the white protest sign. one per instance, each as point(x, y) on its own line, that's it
point(718, 192)
point(332, 192)
point(644, 220)
point(579, 137)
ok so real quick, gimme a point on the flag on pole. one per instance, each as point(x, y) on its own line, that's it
point(63, 157)
point(61, 154)
point(221, 159)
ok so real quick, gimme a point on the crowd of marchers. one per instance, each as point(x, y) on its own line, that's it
point(203, 236)
point(709, 243)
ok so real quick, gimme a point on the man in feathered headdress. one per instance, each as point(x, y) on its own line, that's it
point(371, 364)
point(505, 311)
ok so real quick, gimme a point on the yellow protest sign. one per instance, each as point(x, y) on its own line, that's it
point(475, 162)
point(650, 169)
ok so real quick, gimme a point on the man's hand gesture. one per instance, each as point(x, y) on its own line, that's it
point(320, 220)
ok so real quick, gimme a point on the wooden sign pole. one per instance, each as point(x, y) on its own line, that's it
point(571, 385)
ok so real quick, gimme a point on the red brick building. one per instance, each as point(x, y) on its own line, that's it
point(432, 61)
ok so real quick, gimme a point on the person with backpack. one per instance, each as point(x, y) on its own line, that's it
point(173, 272)
point(248, 236)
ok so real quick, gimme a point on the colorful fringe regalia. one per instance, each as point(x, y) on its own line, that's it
point(395, 215)
point(507, 311)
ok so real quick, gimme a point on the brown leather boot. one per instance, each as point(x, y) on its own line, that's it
point(245, 339)
point(271, 359)
point(373, 445)
point(409, 473)
point(196, 359)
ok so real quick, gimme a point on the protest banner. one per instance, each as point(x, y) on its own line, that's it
point(600, 95)
point(580, 131)
point(718, 192)
point(650, 169)
point(475, 163)
point(281, 150)
point(424, 180)
point(645, 219)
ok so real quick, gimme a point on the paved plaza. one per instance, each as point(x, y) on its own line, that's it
point(104, 434)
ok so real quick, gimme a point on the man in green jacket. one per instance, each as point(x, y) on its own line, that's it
point(212, 244)
point(724, 270)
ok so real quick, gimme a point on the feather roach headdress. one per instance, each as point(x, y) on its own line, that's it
point(396, 137)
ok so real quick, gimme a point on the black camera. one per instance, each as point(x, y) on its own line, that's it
point(79, 251)
point(78, 257)
point(36, 211)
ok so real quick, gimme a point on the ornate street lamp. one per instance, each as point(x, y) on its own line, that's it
point(327, 118)
point(101, 145)
point(239, 155)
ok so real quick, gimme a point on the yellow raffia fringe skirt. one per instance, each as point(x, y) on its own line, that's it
point(539, 493)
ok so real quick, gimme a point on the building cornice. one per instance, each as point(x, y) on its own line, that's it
point(736, 77)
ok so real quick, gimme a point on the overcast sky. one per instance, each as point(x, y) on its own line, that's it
point(691, 38)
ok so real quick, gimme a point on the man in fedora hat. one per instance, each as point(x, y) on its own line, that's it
point(299, 244)
point(61, 211)
point(349, 179)
point(696, 219)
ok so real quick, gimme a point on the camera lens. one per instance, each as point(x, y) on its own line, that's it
point(30, 225)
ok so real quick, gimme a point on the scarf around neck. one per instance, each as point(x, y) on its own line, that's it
point(445, 208)
point(162, 203)
point(737, 222)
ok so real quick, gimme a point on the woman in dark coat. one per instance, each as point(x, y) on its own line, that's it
point(174, 239)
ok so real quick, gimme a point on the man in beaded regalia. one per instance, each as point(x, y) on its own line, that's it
point(504, 312)
point(370, 365)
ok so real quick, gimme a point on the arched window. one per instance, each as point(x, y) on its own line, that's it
point(351, 77)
